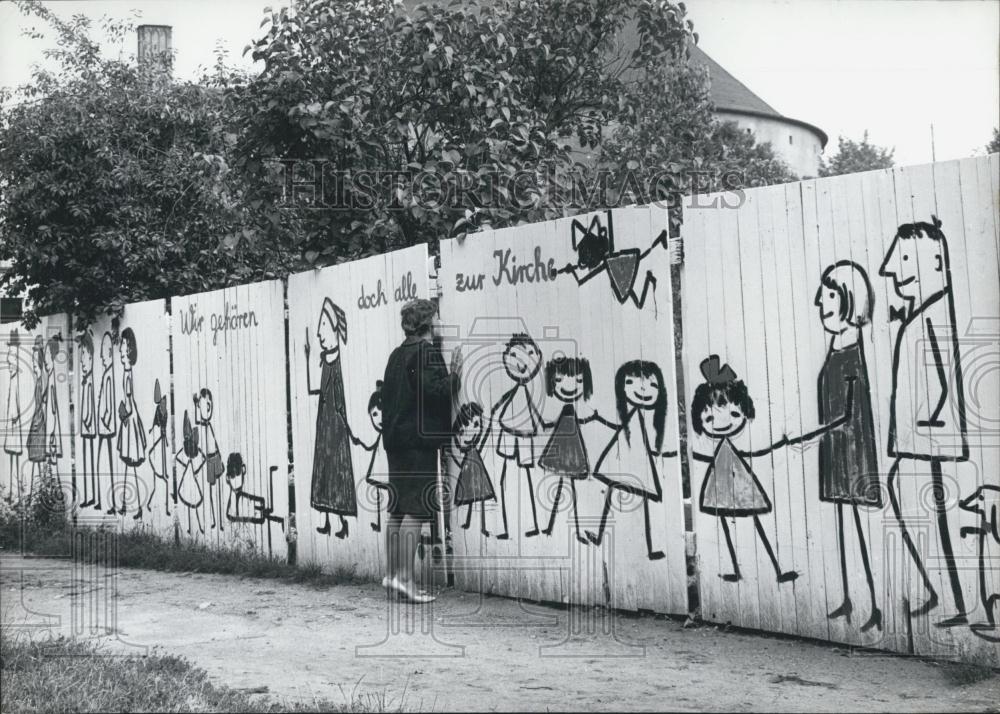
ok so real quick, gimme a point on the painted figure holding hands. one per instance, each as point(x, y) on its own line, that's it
point(720, 410)
point(848, 467)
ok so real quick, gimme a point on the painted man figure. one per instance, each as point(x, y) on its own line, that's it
point(519, 421)
point(927, 408)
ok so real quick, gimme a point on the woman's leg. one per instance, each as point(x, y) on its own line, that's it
point(468, 517)
point(343, 532)
point(138, 493)
point(846, 607)
point(576, 514)
point(876, 617)
point(392, 552)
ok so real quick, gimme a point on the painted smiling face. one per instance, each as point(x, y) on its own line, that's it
point(642, 391)
point(467, 434)
point(375, 414)
point(568, 387)
point(722, 419)
point(522, 362)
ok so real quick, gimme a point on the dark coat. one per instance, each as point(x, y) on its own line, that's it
point(416, 397)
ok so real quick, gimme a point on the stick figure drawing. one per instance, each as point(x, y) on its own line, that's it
point(595, 249)
point(333, 488)
point(720, 410)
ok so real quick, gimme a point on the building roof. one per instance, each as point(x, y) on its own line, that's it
point(731, 95)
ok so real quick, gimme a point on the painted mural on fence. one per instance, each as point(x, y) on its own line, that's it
point(565, 436)
point(843, 417)
point(124, 468)
point(36, 434)
point(230, 460)
point(343, 323)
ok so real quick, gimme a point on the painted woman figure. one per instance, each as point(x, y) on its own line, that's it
point(377, 476)
point(332, 472)
point(157, 453)
point(204, 410)
point(13, 438)
point(131, 434)
point(628, 462)
point(848, 467)
point(720, 410)
point(191, 459)
point(473, 485)
point(37, 442)
point(569, 380)
point(88, 422)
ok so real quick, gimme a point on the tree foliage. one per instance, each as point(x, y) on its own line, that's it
point(371, 126)
point(994, 146)
point(118, 186)
point(854, 156)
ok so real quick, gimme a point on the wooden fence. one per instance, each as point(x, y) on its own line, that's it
point(840, 392)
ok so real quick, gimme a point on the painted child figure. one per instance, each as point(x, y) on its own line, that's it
point(720, 410)
point(377, 476)
point(628, 463)
point(473, 485)
point(569, 380)
point(519, 421)
point(88, 421)
point(192, 460)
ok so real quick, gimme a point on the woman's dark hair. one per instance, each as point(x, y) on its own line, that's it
point(568, 367)
point(466, 413)
point(641, 368)
point(234, 465)
point(128, 337)
point(375, 400)
point(720, 394)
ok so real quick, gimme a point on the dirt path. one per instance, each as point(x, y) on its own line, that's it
point(470, 653)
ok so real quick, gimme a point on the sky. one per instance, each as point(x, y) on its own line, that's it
point(891, 67)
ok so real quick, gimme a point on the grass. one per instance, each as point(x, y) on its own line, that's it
point(959, 674)
point(139, 549)
point(66, 676)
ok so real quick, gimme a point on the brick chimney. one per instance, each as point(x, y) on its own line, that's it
point(154, 45)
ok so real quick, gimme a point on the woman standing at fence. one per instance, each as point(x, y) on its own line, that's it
point(333, 488)
point(416, 422)
point(848, 467)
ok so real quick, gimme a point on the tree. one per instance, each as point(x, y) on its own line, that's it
point(117, 184)
point(433, 121)
point(371, 127)
point(994, 145)
point(854, 156)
